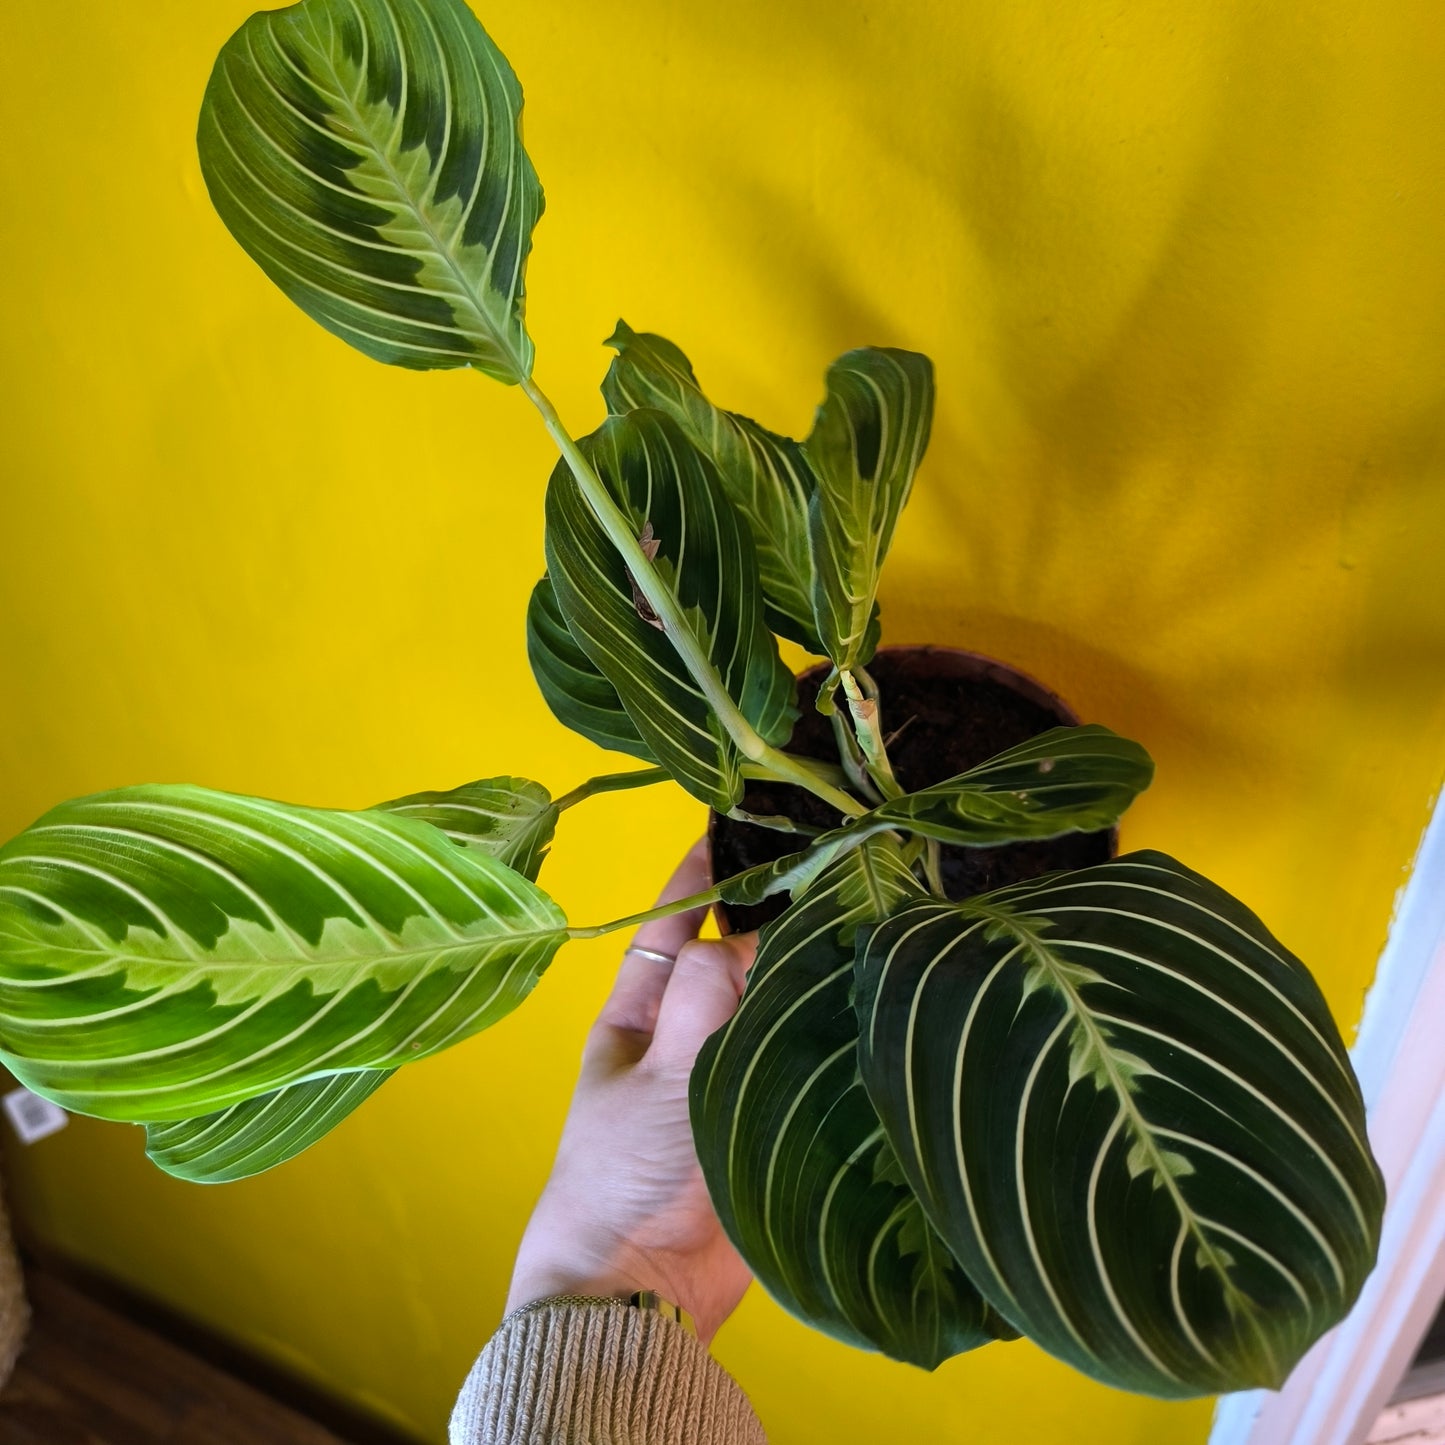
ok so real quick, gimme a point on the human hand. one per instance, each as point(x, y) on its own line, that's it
point(625, 1208)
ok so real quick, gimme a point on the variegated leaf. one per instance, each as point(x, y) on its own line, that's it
point(512, 819)
point(1067, 780)
point(366, 154)
point(1127, 1110)
point(260, 1133)
point(169, 951)
point(580, 697)
point(764, 475)
point(795, 1158)
point(867, 441)
point(703, 555)
point(794, 872)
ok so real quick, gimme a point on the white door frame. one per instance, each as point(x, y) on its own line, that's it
point(1339, 1388)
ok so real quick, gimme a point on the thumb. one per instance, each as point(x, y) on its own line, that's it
point(702, 995)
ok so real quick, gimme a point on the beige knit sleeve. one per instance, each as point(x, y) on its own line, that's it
point(561, 1373)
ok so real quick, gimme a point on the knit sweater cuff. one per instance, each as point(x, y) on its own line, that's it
point(562, 1373)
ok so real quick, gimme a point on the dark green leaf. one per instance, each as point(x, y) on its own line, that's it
point(703, 555)
point(794, 1156)
point(260, 1133)
point(1127, 1110)
point(764, 475)
point(867, 441)
point(1073, 779)
point(366, 154)
point(578, 694)
point(167, 951)
point(512, 819)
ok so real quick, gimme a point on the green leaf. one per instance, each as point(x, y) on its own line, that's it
point(260, 1133)
point(794, 872)
point(670, 495)
point(867, 441)
point(1071, 779)
point(1075, 779)
point(511, 819)
point(170, 951)
point(579, 695)
point(1127, 1110)
point(366, 154)
point(794, 1156)
point(764, 475)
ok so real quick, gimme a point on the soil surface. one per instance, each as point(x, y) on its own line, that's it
point(943, 713)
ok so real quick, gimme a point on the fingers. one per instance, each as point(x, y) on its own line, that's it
point(627, 1018)
point(701, 996)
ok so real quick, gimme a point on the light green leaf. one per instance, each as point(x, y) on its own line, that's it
point(366, 154)
point(579, 695)
point(169, 951)
point(260, 1133)
point(794, 1156)
point(867, 441)
point(703, 555)
point(1125, 1107)
point(1067, 780)
point(764, 475)
point(512, 819)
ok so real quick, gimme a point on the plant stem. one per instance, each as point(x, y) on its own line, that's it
point(933, 866)
point(788, 769)
point(612, 783)
point(699, 666)
point(828, 772)
point(620, 533)
point(663, 910)
point(854, 763)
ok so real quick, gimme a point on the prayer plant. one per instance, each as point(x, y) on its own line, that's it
point(1105, 1109)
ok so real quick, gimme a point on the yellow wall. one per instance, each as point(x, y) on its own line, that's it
point(1179, 266)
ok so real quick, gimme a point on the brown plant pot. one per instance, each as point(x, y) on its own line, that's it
point(944, 711)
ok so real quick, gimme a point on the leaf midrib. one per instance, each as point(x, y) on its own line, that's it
point(211, 964)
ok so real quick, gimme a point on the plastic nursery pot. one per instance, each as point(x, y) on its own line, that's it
point(944, 711)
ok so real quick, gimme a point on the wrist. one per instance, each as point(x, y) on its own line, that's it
point(531, 1285)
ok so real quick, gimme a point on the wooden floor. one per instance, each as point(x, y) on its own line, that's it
point(91, 1376)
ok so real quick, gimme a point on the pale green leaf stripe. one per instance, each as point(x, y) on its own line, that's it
point(764, 475)
point(366, 154)
point(260, 1133)
point(169, 951)
point(1071, 779)
point(867, 441)
point(579, 695)
point(1217, 1207)
point(794, 1156)
point(668, 490)
point(512, 819)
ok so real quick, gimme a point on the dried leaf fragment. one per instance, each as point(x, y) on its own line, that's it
point(643, 607)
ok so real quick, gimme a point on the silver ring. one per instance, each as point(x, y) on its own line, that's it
point(667, 958)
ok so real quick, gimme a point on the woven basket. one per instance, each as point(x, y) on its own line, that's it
point(14, 1312)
